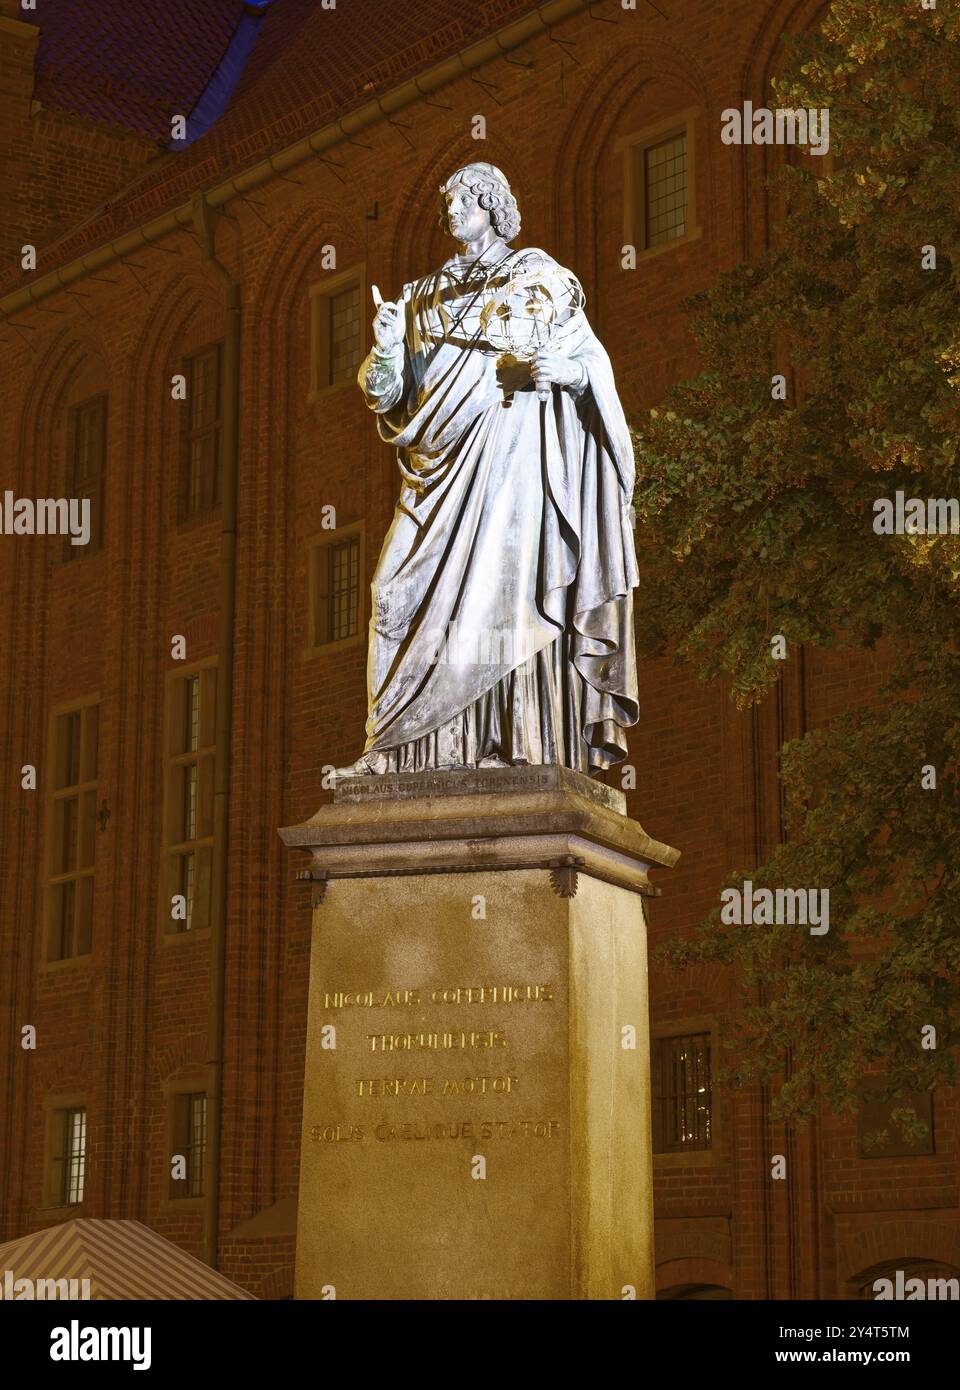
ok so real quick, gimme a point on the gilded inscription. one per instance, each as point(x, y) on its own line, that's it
point(466, 1129)
point(454, 994)
point(437, 1042)
point(472, 1130)
point(436, 1086)
point(432, 1088)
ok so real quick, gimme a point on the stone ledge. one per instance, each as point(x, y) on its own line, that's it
point(499, 781)
point(450, 822)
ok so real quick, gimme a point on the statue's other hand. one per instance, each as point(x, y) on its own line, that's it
point(552, 368)
point(388, 325)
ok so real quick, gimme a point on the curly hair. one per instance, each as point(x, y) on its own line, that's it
point(493, 194)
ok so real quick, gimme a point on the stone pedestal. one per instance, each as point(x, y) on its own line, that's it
point(476, 1117)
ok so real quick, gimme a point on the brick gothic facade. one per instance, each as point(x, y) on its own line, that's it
point(121, 1029)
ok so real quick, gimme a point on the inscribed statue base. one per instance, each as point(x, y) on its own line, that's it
point(476, 1119)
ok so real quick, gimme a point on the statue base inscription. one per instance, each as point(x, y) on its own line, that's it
point(476, 1117)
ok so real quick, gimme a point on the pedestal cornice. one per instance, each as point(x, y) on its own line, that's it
point(446, 822)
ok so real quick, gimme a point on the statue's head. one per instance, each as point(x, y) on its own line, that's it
point(492, 192)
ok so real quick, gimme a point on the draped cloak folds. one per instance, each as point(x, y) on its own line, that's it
point(502, 620)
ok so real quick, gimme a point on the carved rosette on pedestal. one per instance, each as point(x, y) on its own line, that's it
point(476, 1118)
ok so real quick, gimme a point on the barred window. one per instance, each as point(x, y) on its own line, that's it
point(344, 334)
point(189, 1143)
point(665, 190)
point(67, 1156)
point(335, 607)
point(189, 799)
point(202, 435)
point(336, 343)
point(682, 1094)
point(88, 435)
point(71, 840)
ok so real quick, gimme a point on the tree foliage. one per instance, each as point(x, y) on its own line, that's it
point(758, 519)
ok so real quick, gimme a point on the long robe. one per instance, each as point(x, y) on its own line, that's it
point(502, 621)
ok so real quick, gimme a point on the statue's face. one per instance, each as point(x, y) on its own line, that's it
point(468, 220)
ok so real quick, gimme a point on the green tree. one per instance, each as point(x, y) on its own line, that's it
point(758, 518)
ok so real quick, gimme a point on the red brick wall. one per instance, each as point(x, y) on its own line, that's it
point(120, 1025)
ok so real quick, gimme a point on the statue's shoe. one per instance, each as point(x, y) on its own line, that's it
point(369, 765)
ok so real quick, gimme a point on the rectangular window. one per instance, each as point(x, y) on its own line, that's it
point(335, 607)
point(660, 184)
point(87, 466)
point(71, 838)
point(68, 1156)
point(203, 431)
point(189, 791)
point(344, 334)
point(665, 190)
point(682, 1094)
point(336, 330)
point(189, 1144)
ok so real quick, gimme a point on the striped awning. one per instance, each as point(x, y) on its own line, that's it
point(121, 1259)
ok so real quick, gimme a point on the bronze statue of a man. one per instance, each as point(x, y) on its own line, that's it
point(502, 624)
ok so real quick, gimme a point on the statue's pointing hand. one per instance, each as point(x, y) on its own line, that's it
point(387, 322)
